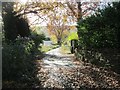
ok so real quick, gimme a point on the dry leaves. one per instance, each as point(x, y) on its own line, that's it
point(76, 75)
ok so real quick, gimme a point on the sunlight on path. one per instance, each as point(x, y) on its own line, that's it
point(55, 65)
point(56, 52)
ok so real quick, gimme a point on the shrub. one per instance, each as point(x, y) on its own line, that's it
point(17, 58)
point(37, 38)
point(101, 30)
point(99, 34)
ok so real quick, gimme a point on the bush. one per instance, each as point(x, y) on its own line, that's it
point(101, 30)
point(17, 58)
point(18, 62)
point(37, 38)
point(99, 37)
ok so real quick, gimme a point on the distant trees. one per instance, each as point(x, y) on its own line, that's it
point(57, 27)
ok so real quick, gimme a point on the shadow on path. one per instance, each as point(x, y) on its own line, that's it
point(63, 71)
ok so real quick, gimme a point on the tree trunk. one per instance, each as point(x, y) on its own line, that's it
point(79, 16)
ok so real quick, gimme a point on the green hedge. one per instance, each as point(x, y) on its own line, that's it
point(99, 37)
point(18, 63)
point(17, 58)
point(101, 30)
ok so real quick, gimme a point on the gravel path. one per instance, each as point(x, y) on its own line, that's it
point(63, 71)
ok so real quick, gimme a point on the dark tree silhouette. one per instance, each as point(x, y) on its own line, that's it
point(13, 25)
